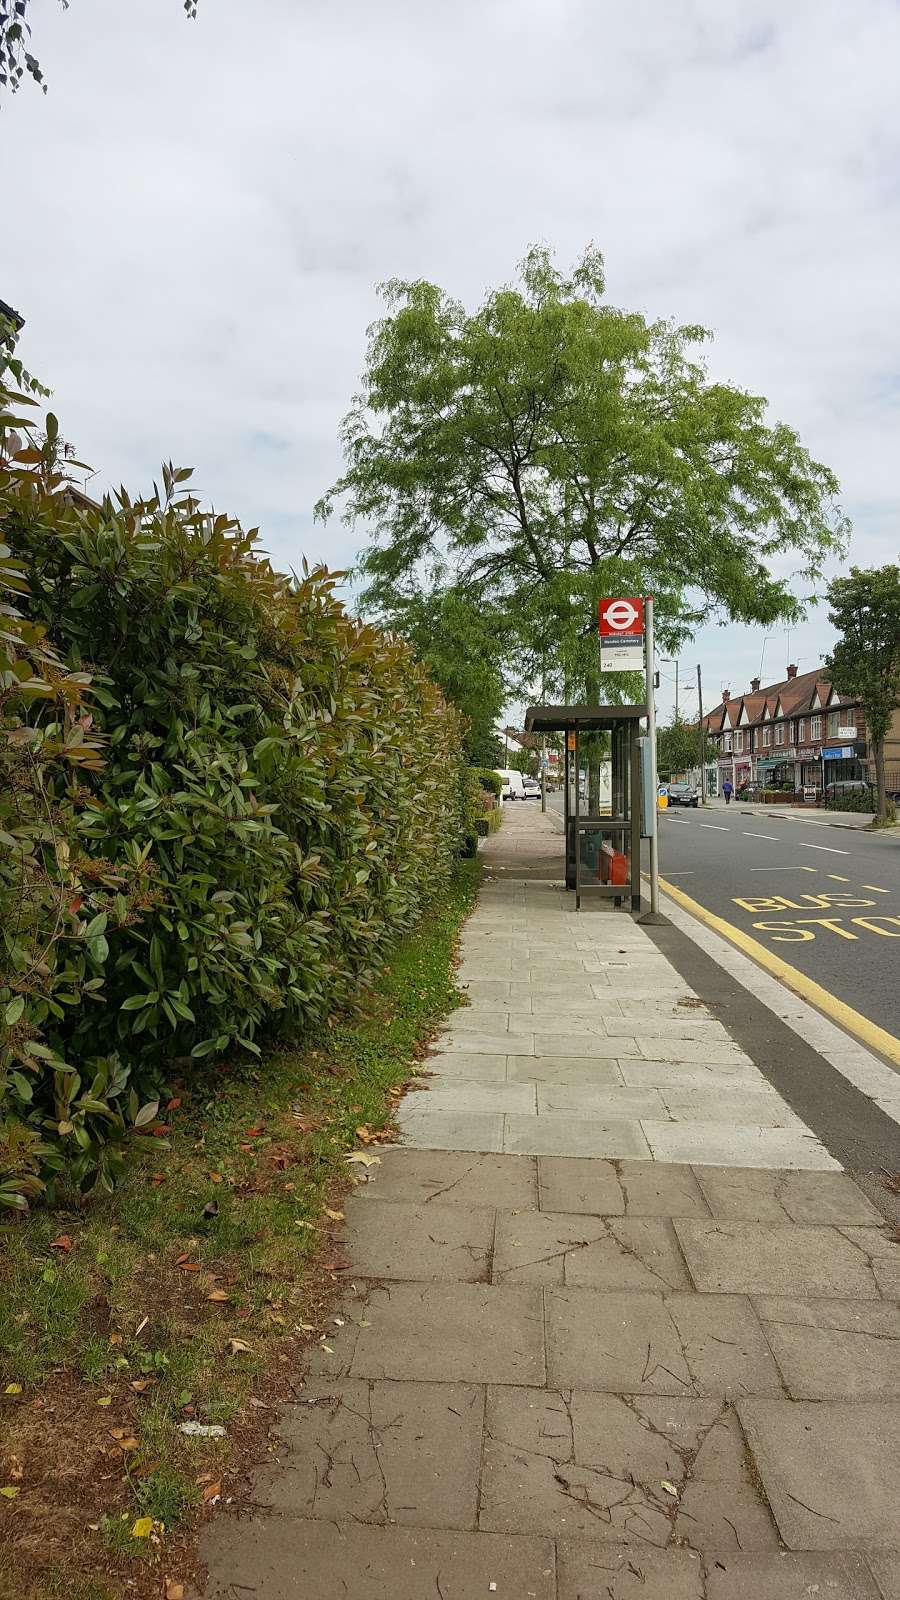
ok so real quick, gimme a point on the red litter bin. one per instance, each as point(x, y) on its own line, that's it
point(612, 865)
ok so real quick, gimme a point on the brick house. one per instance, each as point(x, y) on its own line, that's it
point(800, 734)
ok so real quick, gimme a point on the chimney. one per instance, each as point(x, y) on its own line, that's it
point(792, 672)
point(754, 686)
point(726, 696)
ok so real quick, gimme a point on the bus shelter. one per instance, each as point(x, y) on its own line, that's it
point(602, 796)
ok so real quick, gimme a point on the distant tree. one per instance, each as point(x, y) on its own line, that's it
point(678, 747)
point(865, 609)
point(526, 761)
point(547, 449)
point(16, 59)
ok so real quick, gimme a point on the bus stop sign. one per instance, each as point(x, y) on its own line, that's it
point(622, 635)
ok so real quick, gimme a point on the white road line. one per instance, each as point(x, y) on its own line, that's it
point(829, 847)
point(716, 827)
point(687, 873)
point(838, 878)
point(682, 821)
point(775, 869)
point(773, 836)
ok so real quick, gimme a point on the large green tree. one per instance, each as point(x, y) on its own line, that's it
point(548, 448)
point(678, 748)
point(865, 609)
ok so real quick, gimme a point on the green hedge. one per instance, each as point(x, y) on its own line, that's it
point(491, 782)
point(220, 799)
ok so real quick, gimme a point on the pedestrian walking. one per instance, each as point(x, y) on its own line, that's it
point(727, 791)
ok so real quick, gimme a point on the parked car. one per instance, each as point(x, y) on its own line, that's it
point(846, 786)
point(532, 789)
point(683, 794)
point(513, 783)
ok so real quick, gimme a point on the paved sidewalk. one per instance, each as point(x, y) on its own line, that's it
point(816, 815)
point(642, 1342)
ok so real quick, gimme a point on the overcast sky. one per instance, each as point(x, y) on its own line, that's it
point(197, 215)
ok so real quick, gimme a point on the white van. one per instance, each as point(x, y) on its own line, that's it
point(513, 786)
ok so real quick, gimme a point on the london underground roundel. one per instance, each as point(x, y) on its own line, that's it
point(621, 617)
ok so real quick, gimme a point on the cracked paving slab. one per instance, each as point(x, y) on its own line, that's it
point(620, 1468)
point(382, 1452)
point(779, 1258)
point(610, 1253)
point(402, 1239)
point(829, 1470)
point(280, 1558)
point(638, 1343)
point(834, 1349)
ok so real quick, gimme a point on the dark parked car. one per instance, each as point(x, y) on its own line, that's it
point(683, 794)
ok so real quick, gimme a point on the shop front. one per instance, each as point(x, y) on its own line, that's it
point(844, 763)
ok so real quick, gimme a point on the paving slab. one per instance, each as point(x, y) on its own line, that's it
point(702, 1051)
point(578, 1463)
point(452, 1177)
point(596, 1046)
point(564, 1069)
point(787, 1576)
point(280, 1558)
point(758, 1108)
point(720, 1145)
point(612, 1253)
point(469, 1097)
point(774, 1258)
point(886, 1569)
point(639, 1343)
point(419, 1240)
point(654, 1189)
point(607, 1103)
point(734, 1195)
point(834, 1349)
point(461, 1064)
point(591, 1571)
point(550, 1136)
point(452, 1040)
point(465, 1332)
point(881, 1250)
point(407, 1453)
point(829, 1471)
point(453, 1130)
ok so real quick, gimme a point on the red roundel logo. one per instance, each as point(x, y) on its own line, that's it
point(621, 616)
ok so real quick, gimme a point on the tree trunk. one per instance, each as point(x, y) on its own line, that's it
point(879, 779)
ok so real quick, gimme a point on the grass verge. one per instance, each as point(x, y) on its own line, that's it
point(186, 1297)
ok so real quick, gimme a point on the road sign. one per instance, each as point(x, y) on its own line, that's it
point(622, 635)
point(621, 616)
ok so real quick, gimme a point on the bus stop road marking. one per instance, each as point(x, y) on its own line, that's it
point(852, 1021)
point(832, 851)
point(772, 836)
point(716, 827)
point(837, 877)
point(875, 889)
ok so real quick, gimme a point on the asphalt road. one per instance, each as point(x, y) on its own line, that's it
point(824, 899)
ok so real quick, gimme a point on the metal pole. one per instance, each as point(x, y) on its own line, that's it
point(650, 666)
point(544, 739)
point(676, 691)
point(702, 739)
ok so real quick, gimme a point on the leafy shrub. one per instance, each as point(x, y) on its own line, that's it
point(491, 782)
point(222, 797)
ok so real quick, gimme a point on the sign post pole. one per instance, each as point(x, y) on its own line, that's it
point(650, 667)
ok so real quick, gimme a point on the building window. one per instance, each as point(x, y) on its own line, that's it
point(779, 733)
point(801, 731)
point(739, 741)
point(728, 744)
point(767, 737)
point(834, 721)
point(848, 718)
point(815, 728)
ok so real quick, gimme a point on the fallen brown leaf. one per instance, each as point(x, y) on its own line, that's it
point(173, 1590)
point(212, 1490)
point(237, 1346)
point(64, 1243)
point(219, 1296)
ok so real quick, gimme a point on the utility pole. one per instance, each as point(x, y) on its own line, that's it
point(702, 738)
point(676, 692)
point(544, 737)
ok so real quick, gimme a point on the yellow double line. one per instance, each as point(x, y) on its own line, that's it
point(868, 1032)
